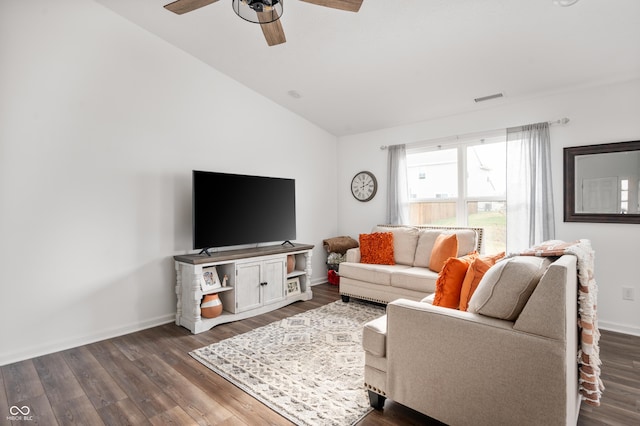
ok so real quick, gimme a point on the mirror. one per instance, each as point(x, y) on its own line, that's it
point(601, 183)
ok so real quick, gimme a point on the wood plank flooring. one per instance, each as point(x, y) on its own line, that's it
point(148, 378)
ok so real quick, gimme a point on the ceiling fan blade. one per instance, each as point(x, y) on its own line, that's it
point(184, 6)
point(273, 31)
point(348, 5)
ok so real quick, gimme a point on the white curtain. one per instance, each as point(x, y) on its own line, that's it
point(530, 217)
point(398, 187)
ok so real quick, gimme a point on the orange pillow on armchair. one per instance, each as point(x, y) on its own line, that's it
point(450, 279)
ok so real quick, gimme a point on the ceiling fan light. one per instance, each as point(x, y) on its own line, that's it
point(258, 11)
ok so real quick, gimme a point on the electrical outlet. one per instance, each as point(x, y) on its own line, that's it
point(627, 293)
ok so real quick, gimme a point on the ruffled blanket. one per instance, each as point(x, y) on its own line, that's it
point(590, 383)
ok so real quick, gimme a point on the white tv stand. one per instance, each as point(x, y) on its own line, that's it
point(257, 283)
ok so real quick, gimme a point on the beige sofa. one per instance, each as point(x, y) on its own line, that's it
point(410, 277)
point(465, 368)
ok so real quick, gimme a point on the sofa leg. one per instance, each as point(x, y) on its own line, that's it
point(376, 400)
point(345, 298)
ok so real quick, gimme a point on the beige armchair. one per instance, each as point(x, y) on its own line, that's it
point(465, 368)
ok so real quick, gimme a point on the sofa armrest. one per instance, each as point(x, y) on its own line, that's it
point(353, 255)
point(410, 310)
point(439, 358)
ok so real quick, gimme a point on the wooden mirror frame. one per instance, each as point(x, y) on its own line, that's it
point(570, 154)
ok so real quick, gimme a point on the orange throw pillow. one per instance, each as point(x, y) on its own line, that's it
point(445, 246)
point(377, 248)
point(449, 281)
point(477, 268)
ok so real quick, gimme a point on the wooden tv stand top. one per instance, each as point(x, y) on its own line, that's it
point(222, 256)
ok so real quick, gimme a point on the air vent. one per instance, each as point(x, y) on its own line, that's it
point(486, 98)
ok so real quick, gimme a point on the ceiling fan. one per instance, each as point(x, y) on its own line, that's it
point(267, 13)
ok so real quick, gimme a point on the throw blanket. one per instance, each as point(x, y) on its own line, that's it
point(591, 385)
point(339, 244)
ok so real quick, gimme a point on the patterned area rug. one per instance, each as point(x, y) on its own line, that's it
point(309, 367)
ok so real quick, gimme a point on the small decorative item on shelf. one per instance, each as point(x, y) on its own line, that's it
point(291, 263)
point(211, 306)
point(225, 280)
point(210, 278)
point(293, 286)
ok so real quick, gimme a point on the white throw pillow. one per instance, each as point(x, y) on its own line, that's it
point(506, 287)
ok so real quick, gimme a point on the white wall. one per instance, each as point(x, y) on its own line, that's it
point(598, 115)
point(101, 124)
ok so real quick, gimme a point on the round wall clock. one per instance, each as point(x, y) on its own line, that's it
point(364, 186)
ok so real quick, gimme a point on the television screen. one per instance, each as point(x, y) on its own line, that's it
point(230, 209)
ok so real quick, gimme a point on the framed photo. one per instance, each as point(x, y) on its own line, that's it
point(210, 279)
point(293, 286)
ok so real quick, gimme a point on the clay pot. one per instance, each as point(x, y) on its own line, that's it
point(211, 306)
point(291, 263)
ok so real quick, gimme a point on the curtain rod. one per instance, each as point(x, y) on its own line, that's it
point(561, 121)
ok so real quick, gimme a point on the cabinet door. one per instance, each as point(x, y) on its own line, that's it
point(248, 289)
point(274, 275)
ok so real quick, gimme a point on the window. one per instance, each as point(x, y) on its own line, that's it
point(624, 196)
point(461, 185)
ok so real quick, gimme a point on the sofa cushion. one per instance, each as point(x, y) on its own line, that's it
point(377, 248)
point(374, 336)
point(405, 240)
point(466, 241)
point(450, 279)
point(427, 237)
point(418, 279)
point(505, 287)
point(445, 246)
point(370, 273)
point(429, 299)
point(477, 268)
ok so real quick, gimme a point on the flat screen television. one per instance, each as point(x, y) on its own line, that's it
point(233, 209)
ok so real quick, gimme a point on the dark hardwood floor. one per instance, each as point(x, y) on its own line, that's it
point(148, 378)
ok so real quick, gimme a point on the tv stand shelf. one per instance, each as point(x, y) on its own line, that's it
point(258, 282)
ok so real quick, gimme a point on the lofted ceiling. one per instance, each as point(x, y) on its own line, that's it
point(402, 61)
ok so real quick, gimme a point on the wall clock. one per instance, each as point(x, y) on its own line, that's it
point(364, 186)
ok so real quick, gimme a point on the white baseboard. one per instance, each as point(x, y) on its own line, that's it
point(619, 328)
point(316, 281)
point(73, 342)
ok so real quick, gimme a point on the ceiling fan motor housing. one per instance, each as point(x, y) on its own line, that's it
point(261, 5)
point(258, 11)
